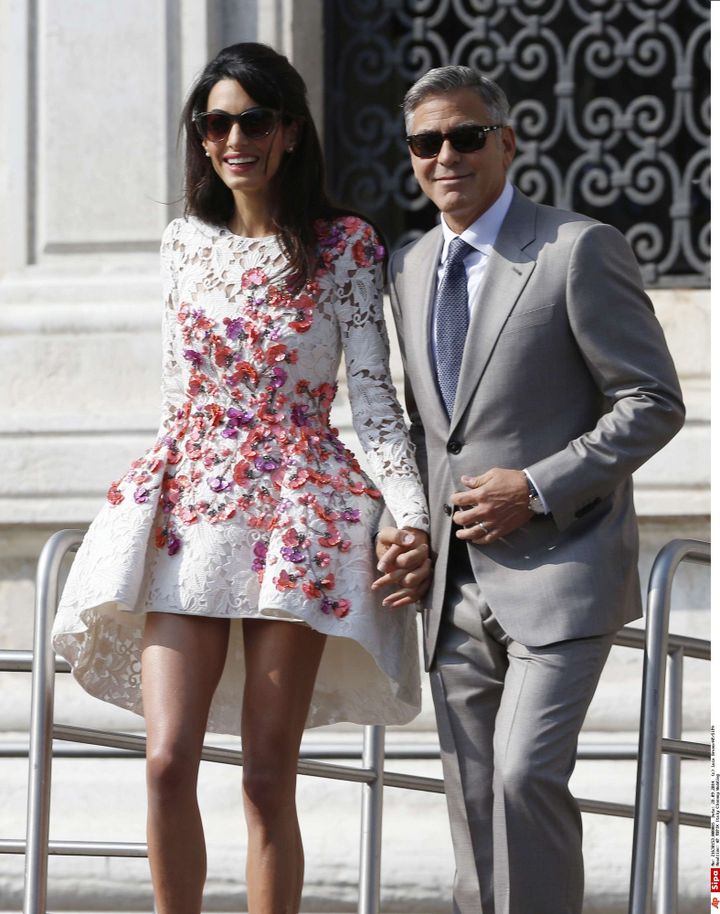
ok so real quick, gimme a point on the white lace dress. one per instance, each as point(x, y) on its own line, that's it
point(248, 505)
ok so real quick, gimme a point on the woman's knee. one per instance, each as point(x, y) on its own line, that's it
point(268, 788)
point(170, 771)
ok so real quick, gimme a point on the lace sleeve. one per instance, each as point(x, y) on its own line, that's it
point(377, 415)
point(172, 389)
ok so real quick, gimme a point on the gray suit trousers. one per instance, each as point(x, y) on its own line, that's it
point(509, 717)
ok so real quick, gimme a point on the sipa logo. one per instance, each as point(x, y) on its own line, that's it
point(715, 879)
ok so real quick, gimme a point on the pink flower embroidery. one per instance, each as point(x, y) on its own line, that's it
point(252, 440)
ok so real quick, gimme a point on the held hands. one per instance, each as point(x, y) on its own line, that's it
point(404, 558)
point(494, 505)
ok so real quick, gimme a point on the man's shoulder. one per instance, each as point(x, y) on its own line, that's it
point(555, 221)
point(416, 250)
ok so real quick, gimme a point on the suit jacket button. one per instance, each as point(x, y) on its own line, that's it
point(448, 510)
point(454, 446)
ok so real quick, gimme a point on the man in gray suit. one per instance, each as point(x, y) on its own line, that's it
point(538, 381)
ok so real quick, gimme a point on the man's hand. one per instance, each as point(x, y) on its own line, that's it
point(494, 505)
point(404, 558)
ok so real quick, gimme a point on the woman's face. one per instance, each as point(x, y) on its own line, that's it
point(245, 165)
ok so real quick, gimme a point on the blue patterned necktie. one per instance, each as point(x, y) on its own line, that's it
point(451, 321)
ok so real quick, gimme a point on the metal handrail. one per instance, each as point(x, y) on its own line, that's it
point(113, 744)
point(587, 751)
point(371, 773)
point(41, 719)
point(652, 746)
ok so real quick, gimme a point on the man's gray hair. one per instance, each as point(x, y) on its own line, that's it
point(448, 79)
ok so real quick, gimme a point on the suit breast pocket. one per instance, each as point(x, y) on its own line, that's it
point(524, 320)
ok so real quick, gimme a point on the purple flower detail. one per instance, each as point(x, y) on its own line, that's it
point(141, 495)
point(292, 554)
point(192, 356)
point(235, 328)
point(260, 551)
point(352, 515)
point(279, 377)
point(266, 464)
point(236, 417)
point(218, 484)
point(298, 414)
point(326, 605)
point(173, 544)
point(330, 241)
point(239, 416)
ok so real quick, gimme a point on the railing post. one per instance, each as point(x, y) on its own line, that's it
point(41, 719)
point(651, 716)
point(667, 901)
point(648, 775)
point(371, 821)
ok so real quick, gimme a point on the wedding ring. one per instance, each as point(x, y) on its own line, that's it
point(483, 528)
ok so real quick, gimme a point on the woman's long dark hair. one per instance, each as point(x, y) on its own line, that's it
point(298, 188)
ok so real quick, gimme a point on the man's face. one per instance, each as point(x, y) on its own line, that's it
point(461, 185)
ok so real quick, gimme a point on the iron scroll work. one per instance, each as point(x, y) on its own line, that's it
point(611, 104)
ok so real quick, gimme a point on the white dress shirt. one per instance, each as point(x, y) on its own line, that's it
point(481, 235)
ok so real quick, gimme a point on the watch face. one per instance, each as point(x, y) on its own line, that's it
point(536, 505)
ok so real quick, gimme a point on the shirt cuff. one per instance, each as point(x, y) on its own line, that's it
point(540, 494)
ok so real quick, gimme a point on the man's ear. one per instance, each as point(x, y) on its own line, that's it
point(509, 145)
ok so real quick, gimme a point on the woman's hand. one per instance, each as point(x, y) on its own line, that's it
point(404, 560)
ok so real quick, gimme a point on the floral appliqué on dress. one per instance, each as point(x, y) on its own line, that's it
point(248, 506)
point(251, 434)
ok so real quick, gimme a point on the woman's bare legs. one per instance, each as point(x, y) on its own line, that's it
point(281, 660)
point(182, 661)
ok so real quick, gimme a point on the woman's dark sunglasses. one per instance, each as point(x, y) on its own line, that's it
point(468, 138)
point(255, 123)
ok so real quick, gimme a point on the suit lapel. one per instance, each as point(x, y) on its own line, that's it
point(418, 296)
point(506, 273)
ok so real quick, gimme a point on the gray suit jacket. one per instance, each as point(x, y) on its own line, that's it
point(565, 372)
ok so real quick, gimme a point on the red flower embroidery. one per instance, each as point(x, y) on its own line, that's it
point(285, 581)
point(251, 436)
point(114, 495)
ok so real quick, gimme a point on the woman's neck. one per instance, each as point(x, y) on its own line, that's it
point(251, 218)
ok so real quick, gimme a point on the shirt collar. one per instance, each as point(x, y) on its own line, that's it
point(483, 232)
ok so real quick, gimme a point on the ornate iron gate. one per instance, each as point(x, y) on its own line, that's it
point(610, 100)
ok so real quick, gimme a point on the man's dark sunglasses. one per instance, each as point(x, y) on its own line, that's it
point(468, 138)
point(255, 123)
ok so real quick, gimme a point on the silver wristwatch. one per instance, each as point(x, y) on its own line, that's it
point(534, 501)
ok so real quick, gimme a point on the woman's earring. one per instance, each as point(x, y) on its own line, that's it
point(207, 153)
point(290, 149)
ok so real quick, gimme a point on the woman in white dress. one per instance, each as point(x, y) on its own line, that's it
point(229, 581)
